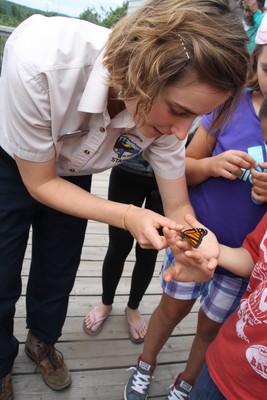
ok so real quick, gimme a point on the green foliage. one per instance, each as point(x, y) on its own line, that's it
point(113, 16)
point(106, 18)
point(12, 14)
point(91, 15)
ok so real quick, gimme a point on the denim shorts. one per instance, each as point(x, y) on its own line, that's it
point(205, 388)
point(219, 296)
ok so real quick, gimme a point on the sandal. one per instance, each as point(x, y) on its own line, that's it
point(136, 328)
point(95, 322)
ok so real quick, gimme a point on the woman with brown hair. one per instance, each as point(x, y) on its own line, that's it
point(77, 99)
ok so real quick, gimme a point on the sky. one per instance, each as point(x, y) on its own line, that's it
point(73, 8)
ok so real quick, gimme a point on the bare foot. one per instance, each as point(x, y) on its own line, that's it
point(137, 324)
point(96, 317)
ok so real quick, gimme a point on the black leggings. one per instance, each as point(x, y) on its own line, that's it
point(127, 187)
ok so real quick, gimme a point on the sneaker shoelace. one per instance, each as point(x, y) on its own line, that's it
point(176, 394)
point(54, 356)
point(140, 381)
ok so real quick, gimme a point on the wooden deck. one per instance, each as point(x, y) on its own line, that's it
point(99, 364)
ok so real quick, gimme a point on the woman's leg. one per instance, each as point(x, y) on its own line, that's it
point(122, 189)
point(56, 250)
point(144, 266)
point(145, 259)
point(16, 212)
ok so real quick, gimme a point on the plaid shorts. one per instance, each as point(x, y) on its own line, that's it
point(220, 296)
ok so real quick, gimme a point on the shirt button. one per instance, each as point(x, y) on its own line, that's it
point(87, 151)
point(72, 170)
point(102, 129)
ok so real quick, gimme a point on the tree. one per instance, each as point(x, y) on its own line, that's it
point(12, 14)
point(115, 15)
point(91, 15)
point(107, 18)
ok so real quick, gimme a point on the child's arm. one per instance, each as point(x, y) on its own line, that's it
point(198, 265)
point(200, 165)
point(238, 260)
point(198, 155)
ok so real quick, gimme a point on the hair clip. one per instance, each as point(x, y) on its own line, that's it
point(183, 44)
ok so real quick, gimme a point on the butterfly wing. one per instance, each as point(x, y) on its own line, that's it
point(194, 236)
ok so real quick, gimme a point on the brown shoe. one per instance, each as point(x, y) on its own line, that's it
point(6, 390)
point(50, 361)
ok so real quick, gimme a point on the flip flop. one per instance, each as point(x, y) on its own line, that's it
point(95, 321)
point(136, 328)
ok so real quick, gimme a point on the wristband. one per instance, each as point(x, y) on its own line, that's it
point(124, 215)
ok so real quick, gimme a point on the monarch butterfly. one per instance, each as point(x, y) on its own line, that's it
point(194, 236)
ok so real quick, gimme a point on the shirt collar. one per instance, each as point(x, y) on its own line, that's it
point(95, 95)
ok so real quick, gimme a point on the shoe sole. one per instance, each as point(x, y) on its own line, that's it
point(29, 354)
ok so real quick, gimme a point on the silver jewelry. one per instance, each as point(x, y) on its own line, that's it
point(183, 44)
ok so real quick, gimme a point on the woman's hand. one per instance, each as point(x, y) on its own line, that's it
point(143, 224)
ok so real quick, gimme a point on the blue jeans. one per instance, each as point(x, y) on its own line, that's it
point(205, 388)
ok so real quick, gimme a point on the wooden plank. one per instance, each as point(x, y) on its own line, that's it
point(115, 328)
point(102, 354)
point(79, 305)
point(93, 268)
point(94, 385)
point(99, 364)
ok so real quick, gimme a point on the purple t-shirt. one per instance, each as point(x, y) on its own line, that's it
point(222, 205)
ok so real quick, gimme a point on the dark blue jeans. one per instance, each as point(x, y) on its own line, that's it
point(205, 388)
point(57, 241)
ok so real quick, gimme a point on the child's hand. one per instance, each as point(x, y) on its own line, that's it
point(230, 163)
point(209, 246)
point(259, 183)
point(189, 265)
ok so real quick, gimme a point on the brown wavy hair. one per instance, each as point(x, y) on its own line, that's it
point(165, 42)
point(252, 81)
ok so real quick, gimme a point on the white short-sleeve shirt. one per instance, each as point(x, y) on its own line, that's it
point(53, 103)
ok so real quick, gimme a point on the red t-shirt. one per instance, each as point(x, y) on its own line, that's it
point(237, 359)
